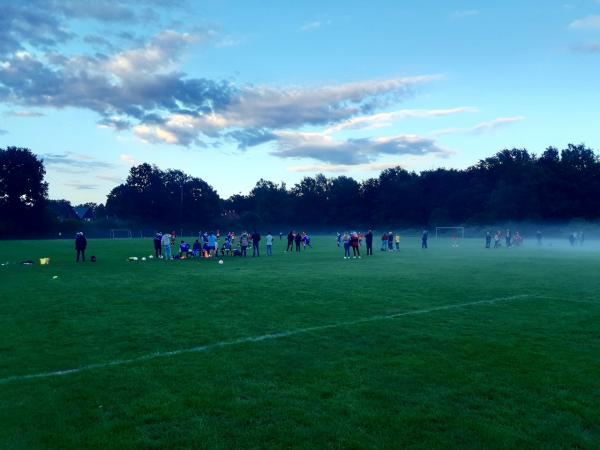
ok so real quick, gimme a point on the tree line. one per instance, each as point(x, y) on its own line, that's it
point(512, 185)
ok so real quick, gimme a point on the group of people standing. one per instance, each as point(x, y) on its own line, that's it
point(297, 240)
point(209, 245)
point(516, 240)
point(509, 239)
point(576, 237)
point(353, 240)
point(389, 242)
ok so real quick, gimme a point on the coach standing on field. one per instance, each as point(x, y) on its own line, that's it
point(255, 242)
point(369, 242)
point(80, 246)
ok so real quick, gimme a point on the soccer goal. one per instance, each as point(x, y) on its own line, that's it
point(119, 233)
point(454, 233)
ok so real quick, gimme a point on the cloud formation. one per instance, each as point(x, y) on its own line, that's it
point(82, 186)
point(481, 128)
point(24, 114)
point(142, 89)
point(138, 83)
point(588, 47)
point(587, 23)
point(44, 24)
point(252, 112)
point(324, 148)
point(381, 120)
point(74, 162)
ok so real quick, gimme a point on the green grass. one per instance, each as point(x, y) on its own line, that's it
point(519, 373)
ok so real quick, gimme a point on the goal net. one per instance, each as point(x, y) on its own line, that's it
point(455, 234)
point(118, 233)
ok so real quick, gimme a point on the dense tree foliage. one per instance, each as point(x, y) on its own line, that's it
point(512, 185)
point(23, 191)
point(155, 197)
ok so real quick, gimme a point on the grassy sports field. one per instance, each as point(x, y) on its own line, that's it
point(449, 347)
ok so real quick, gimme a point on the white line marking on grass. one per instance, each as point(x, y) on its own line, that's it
point(248, 340)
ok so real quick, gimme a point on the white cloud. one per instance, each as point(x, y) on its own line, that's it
point(155, 135)
point(587, 23)
point(296, 106)
point(386, 119)
point(128, 160)
point(322, 147)
point(493, 125)
point(481, 128)
point(161, 53)
point(256, 110)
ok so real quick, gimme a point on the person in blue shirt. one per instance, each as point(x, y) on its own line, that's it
point(227, 246)
point(424, 237)
point(196, 248)
point(306, 241)
point(212, 243)
point(184, 249)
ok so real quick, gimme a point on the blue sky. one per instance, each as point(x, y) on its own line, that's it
point(234, 91)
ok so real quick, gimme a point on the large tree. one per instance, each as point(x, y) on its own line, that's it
point(23, 191)
point(152, 197)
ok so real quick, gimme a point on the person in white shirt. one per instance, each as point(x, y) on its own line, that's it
point(166, 243)
point(269, 239)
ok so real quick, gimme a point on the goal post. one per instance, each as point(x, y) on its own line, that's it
point(120, 233)
point(453, 232)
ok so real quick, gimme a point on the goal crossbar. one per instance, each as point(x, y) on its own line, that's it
point(120, 233)
point(460, 231)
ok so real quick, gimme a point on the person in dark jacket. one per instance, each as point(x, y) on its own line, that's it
point(157, 245)
point(290, 246)
point(298, 240)
point(255, 241)
point(369, 242)
point(424, 237)
point(80, 246)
